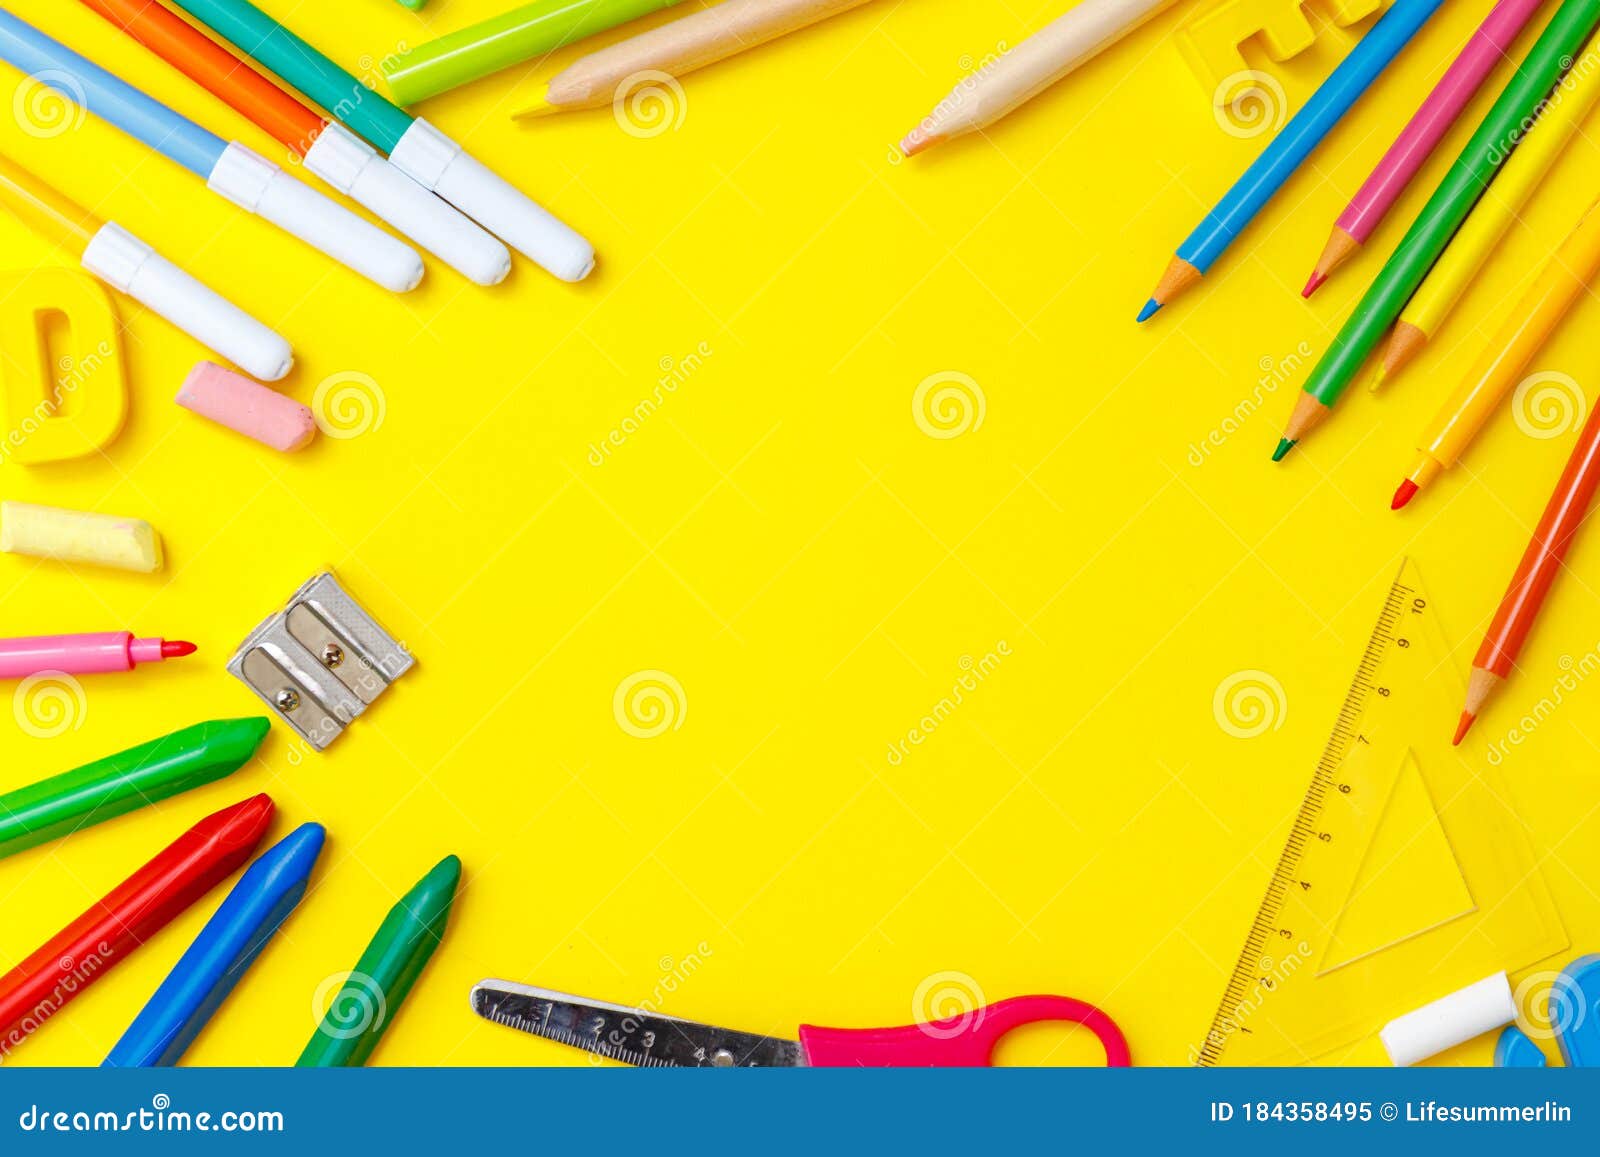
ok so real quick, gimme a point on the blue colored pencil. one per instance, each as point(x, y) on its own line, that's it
point(1289, 149)
point(221, 954)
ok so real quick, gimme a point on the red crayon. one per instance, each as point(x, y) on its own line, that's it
point(135, 910)
point(1568, 507)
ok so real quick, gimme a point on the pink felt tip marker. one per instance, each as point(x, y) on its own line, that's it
point(1487, 47)
point(84, 654)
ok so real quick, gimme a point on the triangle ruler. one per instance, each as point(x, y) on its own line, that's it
point(1406, 875)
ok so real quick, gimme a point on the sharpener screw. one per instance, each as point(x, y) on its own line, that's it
point(332, 655)
point(287, 699)
point(722, 1059)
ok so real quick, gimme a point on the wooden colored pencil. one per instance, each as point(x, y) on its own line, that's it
point(1540, 564)
point(1022, 73)
point(1549, 299)
point(1290, 148)
point(1519, 177)
point(1422, 134)
point(679, 48)
point(1495, 139)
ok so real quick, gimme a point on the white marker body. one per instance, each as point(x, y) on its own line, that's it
point(1450, 1020)
point(436, 162)
point(256, 184)
point(130, 266)
point(355, 169)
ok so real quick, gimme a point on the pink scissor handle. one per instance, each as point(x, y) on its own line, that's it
point(966, 1041)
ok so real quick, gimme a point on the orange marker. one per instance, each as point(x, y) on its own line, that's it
point(1568, 507)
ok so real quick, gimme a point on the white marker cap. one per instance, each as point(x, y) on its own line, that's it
point(130, 266)
point(254, 183)
point(1450, 1020)
point(354, 168)
point(438, 163)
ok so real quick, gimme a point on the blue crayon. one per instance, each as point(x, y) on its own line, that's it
point(221, 954)
point(1291, 147)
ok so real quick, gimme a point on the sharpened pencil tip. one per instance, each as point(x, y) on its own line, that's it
point(1149, 310)
point(1403, 494)
point(1313, 283)
point(1284, 446)
point(1467, 720)
point(917, 141)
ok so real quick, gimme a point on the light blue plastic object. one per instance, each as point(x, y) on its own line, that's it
point(1575, 1011)
point(89, 86)
point(1515, 1051)
point(221, 954)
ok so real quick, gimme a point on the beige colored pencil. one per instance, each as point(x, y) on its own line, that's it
point(1021, 74)
point(680, 47)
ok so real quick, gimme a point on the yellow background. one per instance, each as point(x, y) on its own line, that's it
point(784, 539)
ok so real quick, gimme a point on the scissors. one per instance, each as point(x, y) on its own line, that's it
point(637, 1037)
point(1572, 1014)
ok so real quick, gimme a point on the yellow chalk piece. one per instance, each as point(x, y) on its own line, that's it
point(63, 392)
point(1210, 39)
point(78, 536)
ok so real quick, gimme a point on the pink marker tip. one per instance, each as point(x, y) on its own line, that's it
point(176, 648)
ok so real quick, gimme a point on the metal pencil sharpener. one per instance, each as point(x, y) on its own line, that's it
point(320, 661)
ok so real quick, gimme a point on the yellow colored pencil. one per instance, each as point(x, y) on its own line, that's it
point(1563, 111)
point(1551, 296)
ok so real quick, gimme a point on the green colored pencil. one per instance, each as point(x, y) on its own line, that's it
point(126, 781)
point(368, 1000)
point(1504, 126)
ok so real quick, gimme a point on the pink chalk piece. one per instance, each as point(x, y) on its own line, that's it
point(247, 407)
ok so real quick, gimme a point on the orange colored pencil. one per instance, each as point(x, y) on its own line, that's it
point(1542, 561)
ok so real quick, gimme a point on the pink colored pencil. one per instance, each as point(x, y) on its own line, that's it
point(1426, 129)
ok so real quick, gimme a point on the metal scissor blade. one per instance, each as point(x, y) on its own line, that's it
point(629, 1035)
